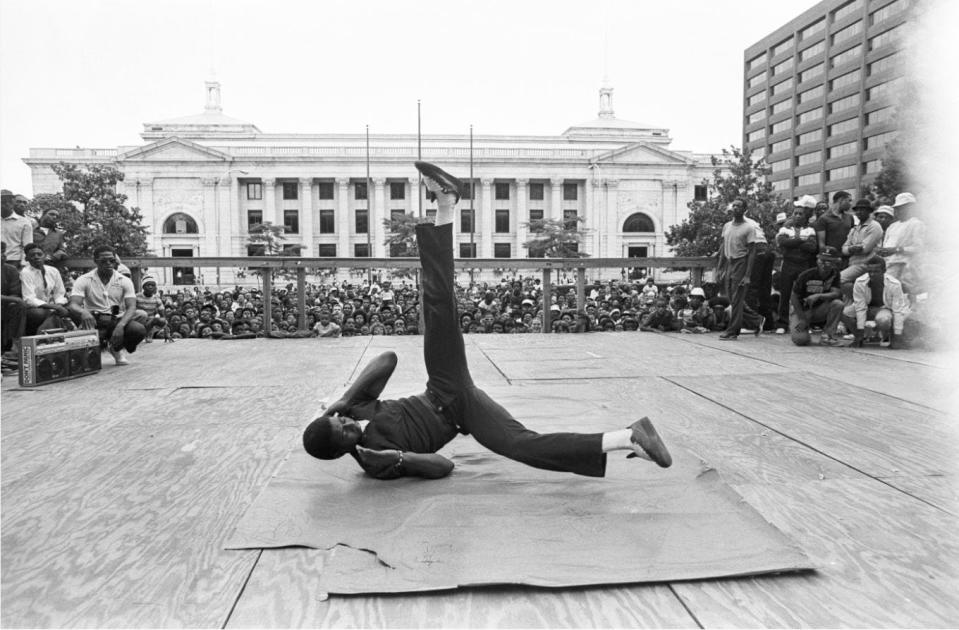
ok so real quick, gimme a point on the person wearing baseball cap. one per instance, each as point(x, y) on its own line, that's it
point(861, 243)
point(816, 299)
point(903, 240)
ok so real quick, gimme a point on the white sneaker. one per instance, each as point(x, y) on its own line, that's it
point(780, 331)
point(118, 357)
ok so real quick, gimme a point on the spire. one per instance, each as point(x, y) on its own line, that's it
point(606, 100)
point(213, 96)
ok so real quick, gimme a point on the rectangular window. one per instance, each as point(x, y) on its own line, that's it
point(782, 106)
point(254, 192)
point(467, 190)
point(361, 250)
point(431, 215)
point(536, 191)
point(535, 215)
point(844, 103)
point(886, 37)
point(886, 63)
point(878, 116)
point(502, 191)
point(781, 165)
point(811, 94)
point(752, 136)
point(755, 117)
point(326, 250)
point(811, 72)
point(812, 51)
point(844, 126)
point(811, 178)
point(872, 166)
point(570, 192)
point(781, 185)
point(253, 217)
point(326, 222)
point(887, 89)
point(846, 56)
point(809, 158)
point(397, 190)
point(501, 225)
point(809, 116)
point(846, 10)
point(782, 145)
point(466, 220)
point(359, 191)
point(291, 221)
point(846, 148)
point(842, 172)
point(812, 29)
point(502, 250)
point(362, 221)
point(757, 61)
point(847, 33)
point(326, 190)
point(699, 191)
point(758, 153)
point(810, 136)
point(782, 125)
point(756, 80)
point(779, 88)
point(290, 190)
point(397, 214)
point(467, 250)
point(879, 140)
point(782, 46)
point(759, 97)
point(291, 249)
point(569, 219)
point(886, 12)
point(783, 66)
point(850, 78)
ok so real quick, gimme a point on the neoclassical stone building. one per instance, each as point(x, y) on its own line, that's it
point(202, 180)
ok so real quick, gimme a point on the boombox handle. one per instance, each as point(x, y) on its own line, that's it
point(53, 331)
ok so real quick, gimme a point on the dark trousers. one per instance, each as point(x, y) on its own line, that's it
point(759, 295)
point(739, 313)
point(133, 332)
point(11, 326)
point(787, 278)
point(469, 407)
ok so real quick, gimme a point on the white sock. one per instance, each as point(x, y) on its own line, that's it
point(618, 440)
point(444, 208)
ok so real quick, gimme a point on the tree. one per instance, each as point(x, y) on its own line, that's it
point(43, 203)
point(735, 175)
point(266, 239)
point(96, 213)
point(401, 235)
point(555, 238)
point(903, 157)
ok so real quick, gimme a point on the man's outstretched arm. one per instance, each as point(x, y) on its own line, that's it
point(392, 464)
point(368, 386)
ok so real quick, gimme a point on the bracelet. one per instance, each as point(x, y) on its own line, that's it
point(398, 466)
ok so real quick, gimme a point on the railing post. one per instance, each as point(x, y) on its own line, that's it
point(580, 290)
point(137, 274)
point(301, 297)
point(267, 299)
point(697, 273)
point(547, 301)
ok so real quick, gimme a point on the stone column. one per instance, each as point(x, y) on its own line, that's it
point(589, 214)
point(307, 237)
point(235, 224)
point(343, 228)
point(269, 201)
point(210, 218)
point(599, 215)
point(485, 220)
point(377, 216)
point(522, 216)
point(556, 199)
point(612, 218)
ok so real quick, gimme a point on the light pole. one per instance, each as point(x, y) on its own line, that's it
point(216, 213)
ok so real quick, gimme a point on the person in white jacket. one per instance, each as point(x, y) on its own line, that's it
point(877, 297)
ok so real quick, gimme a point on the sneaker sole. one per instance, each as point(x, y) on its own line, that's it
point(657, 448)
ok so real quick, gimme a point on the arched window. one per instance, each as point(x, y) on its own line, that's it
point(638, 222)
point(180, 223)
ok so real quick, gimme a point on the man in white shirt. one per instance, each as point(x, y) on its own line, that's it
point(17, 230)
point(105, 300)
point(44, 295)
point(903, 240)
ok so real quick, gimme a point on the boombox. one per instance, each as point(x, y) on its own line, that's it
point(58, 356)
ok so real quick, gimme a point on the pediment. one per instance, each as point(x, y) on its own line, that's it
point(173, 150)
point(643, 153)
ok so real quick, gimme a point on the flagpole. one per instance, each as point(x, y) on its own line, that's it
point(369, 208)
point(419, 156)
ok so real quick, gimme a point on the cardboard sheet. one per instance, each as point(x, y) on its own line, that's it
point(497, 522)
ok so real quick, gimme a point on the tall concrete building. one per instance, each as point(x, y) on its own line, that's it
point(820, 93)
point(201, 181)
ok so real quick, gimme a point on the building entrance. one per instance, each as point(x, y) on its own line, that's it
point(183, 275)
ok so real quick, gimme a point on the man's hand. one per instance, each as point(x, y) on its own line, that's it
point(61, 310)
point(812, 299)
point(855, 249)
point(87, 320)
point(341, 406)
point(885, 251)
point(116, 339)
point(379, 464)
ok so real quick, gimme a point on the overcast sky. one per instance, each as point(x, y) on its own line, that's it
point(91, 72)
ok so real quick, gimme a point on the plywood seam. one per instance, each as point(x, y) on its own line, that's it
point(682, 602)
point(239, 595)
point(493, 363)
point(891, 357)
point(809, 446)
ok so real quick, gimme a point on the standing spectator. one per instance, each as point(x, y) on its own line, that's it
point(903, 240)
point(51, 240)
point(861, 243)
point(11, 325)
point(43, 293)
point(650, 291)
point(736, 256)
point(104, 300)
point(878, 297)
point(816, 298)
point(833, 226)
point(798, 246)
point(17, 229)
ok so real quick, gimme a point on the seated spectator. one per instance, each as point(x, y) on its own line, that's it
point(861, 244)
point(903, 241)
point(698, 317)
point(324, 327)
point(150, 308)
point(105, 300)
point(877, 297)
point(650, 291)
point(816, 299)
point(660, 318)
point(44, 296)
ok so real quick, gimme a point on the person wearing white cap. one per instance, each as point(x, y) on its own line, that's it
point(903, 239)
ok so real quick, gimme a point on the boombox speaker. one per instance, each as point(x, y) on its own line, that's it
point(59, 356)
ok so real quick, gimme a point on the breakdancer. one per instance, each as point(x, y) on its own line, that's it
point(396, 438)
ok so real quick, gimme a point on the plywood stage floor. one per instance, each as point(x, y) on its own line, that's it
point(120, 489)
